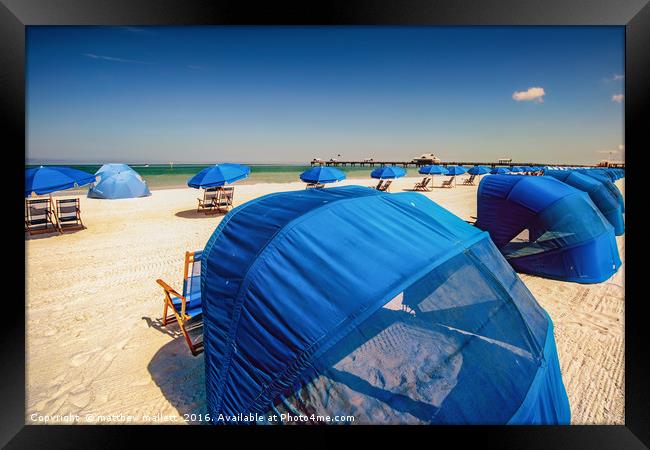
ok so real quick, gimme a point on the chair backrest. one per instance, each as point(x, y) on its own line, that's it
point(226, 196)
point(210, 193)
point(448, 182)
point(379, 185)
point(386, 184)
point(471, 178)
point(426, 181)
point(67, 208)
point(37, 209)
point(192, 276)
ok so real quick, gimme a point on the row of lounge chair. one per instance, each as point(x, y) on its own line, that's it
point(217, 199)
point(425, 186)
point(42, 216)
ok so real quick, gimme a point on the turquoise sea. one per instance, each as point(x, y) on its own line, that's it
point(161, 176)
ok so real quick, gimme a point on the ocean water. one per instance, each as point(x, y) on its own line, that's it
point(164, 176)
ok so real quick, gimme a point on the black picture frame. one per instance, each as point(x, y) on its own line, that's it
point(633, 14)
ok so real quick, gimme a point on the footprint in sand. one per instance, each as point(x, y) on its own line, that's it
point(81, 399)
point(79, 359)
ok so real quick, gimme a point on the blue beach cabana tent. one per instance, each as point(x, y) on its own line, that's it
point(113, 168)
point(382, 306)
point(499, 170)
point(516, 169)
point(322, 174)
point(114, 185)
point(606, 202)
point(388, 172)
point(607, 183)
point(546, 227)
point(118, 181)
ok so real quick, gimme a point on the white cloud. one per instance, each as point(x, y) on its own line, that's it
point(615, 77)
point(112, 58)
point(618, 98)
point(535, 94)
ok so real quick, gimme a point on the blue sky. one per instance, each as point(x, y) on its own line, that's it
point(288, 94)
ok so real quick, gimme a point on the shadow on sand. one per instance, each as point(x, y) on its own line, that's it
point(179, 375)
point(53, 233)
point(193, 214)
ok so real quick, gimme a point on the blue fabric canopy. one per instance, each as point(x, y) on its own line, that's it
point(516, 169)
point(114, 185)
point(352, 301)
point(607, 183)
point(113, 168)
point(45, 180)
point(219, 175)
point(478, 170)
point(432, 170)
point(455, 170)
point(388, 172)
point(603, 198)
point(499, 170)
point(548, 228)
point(322, 174)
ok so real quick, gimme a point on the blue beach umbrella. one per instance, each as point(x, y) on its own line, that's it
point(388, 172)
point(478, 170)
point(45, 180)
point(516, 169)
point(124, 184)
point(432, 170)
point(219, 175)
point(322, 174)
point(455, 170)
point(499, 170)
point(528, 169)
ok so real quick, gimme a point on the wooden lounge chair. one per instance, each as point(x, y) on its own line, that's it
point(379, 185)
point(385, 186)
point(422, 185)
point(448, 183)
point(186, 308)
point(224, 199)
point(68, 215)
point(315, 186)
point(469, 181)
point(207, 203)
point(39, 217)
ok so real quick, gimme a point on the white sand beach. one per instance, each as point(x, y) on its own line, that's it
point(95, 348)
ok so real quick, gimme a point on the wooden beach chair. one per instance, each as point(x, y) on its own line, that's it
point(39, 217)
point(186, 308)
point(469, 181)
point(315, 186)
point(207, 203)
point(68, 215)
point(448, 183)
point(385, 186)
point(379, 185)
point(224, 199)
point(422, 185)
